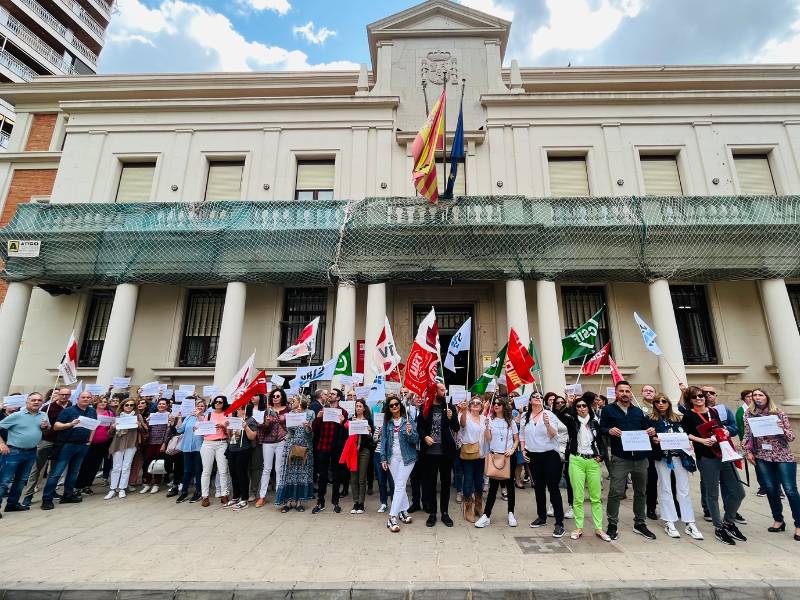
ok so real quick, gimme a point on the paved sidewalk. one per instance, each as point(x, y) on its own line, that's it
point(144, 539)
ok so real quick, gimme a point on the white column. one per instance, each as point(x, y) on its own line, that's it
point(114, 360)
point(517, 310)
point(13, 312)
point(784, 337)
point(550, 337)
point(376, 312)
point(229, 349)
point(670, 365)
point(344, 326)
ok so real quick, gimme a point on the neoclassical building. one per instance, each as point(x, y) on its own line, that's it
point(186, 220)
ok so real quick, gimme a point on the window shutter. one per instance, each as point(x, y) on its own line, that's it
point(315, 175)
point(460, 188)
point(568, 176)
point(755, 176)
point(661, 177)
point(224, 181)
point(136, 182)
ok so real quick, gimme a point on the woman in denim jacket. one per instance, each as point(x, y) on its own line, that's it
point(398, 455)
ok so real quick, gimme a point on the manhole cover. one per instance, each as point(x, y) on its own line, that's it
point(551, 545)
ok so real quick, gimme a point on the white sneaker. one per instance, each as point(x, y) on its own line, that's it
point(550, 511)
point(512, 520)
point(240, 506)
point(230, 503)
point(482, 522)
point(144, 489)
point(122, 494)
point(568, 514)
point(110, 495)
point(669, 527)
point(693, 531)
point(154, 489)
point(382, 508)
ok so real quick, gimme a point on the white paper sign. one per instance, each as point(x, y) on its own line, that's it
point(361, 392)
point(576, 389)
point(359, 427)
point(357, 377)
point(158, 418)
point(761, 426)
point(15, 401)
point(150, 389)
point(167, 393)
point(175, 411)
point(187, 387)
point(331, 415)
point(206, 428)
point(349, 406)
point(634, 441)
point(105, 421)
point(520, 402)
point(458, 393)
point(95, 389)
point(277, 380)
point(611, 393)
point(88, 423)
point(294, 419)
point(491, 387)
point(121, 383)
point(127, 422)
point(674, 441)
point(210, 391)
point(392, 387)
point(180, 395)
point(258, 415)
point(235, 423)
point(187, 408)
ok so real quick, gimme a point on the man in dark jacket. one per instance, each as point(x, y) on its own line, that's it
point(437, 425)
point(616, 418)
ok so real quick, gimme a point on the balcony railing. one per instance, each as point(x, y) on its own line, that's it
point(17, 66)
point(4, 139)
point(60, 29)
point(87, 19)
point(34, 41)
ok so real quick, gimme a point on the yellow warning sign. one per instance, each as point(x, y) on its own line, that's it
point(24, 248)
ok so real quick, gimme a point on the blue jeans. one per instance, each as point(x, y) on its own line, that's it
point(385, 481)
point(458, 473)
point(473, 476)
point(69, 459)
point(192, 471)
point(14, 474)
point(773, 475)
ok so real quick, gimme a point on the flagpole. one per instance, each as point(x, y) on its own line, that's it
point(581, 371)
point(444, 130)
point(602, 375)
point(425, 95)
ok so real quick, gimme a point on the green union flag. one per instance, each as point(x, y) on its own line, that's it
point(493, 371)
point(344, 366)
point(581, 341)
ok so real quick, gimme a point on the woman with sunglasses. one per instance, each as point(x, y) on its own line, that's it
point(272, 438)
point(562, 409)
point(190, 448)
point(713, 472)
point(774, 460)
point(398, 455)
point(472, 453)
point(586, 450)
point(664, 420)
point(123, 447)
point(297, 479)
point(240, 446)
point(213, 451)
point(257, 402)
point(502, 437)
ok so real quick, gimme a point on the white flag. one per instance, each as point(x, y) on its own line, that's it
point(305, 344)
point(68, 368)
point(240, 380)
point(461, 341)
point(386, 356)
point(305, 375)
point(648, 335)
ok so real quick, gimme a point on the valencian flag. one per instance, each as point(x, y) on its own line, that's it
point(602, 356)
point(581, 341)
point(456, 152)
point(422, 367)
point(257, 386)
point(429, 139)
point(518, 363)
point(69, 362)
point(492, 372)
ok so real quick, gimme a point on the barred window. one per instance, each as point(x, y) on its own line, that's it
point(201, 328)
point(694, 324)
point(315, 180)
point(580, 303)
point(794, 298)
point(94, 333)
point(300, 307)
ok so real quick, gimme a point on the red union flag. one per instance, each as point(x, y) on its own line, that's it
point(69, 362)
point(519, 363)
point(615, 374)
point(601, 357)
point(239, 381)
point(423, 361)
point(257, 386)
point(305, 344)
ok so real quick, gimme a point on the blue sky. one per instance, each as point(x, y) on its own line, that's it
point(242, 35)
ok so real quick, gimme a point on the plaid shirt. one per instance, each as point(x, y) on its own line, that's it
point(327, 434)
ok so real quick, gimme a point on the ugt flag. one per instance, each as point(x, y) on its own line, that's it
point(581, 341)
point(591, 366)
point(422, 366)
point(518, 363)
point(460, 343)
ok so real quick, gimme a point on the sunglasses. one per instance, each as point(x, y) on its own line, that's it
point(394, 405)
point(496, 403)
point(218, 402)
point(698, 396)
point(581, 406)
point(129, 404)
point(711, 393)
point(661, 402)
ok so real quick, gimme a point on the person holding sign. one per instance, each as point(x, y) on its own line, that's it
point(98, 450)
point(472, 453)
point(297, 479)
point(616, 418)
point(256, 409)
point(240, 446)
point(191, 443)
point(213, 451)
point(666, 421)
point(398, 455)
point(364, 444)
point(271, 441)
point(155, 446)
point(703, 426)
point(123, 448)
point(773, 457)
point(24, 429)
point(328, 436)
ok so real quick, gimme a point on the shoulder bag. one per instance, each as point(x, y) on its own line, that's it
point(498, 465)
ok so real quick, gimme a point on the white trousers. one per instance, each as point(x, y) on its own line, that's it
point(121, 469)
point(209, 452)
point(668, 512)
point(273, 452)
point(400, 474)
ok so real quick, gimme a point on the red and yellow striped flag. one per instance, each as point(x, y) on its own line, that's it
point(429, 139)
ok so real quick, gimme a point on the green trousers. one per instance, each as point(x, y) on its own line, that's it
point(585, 473)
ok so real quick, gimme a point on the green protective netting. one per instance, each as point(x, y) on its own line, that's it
point(696, 238)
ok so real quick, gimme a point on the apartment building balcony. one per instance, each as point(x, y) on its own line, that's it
point(58, 30)
point(4, 139)
point(83, 18)
point(16, 70)
point(47, 56)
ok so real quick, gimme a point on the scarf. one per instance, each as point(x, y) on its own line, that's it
point(585, 437)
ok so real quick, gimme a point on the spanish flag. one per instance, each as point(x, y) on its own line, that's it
point(429, 139)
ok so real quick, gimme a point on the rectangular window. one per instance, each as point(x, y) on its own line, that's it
point(94, 333)
point(201, 328)
point(794, 298)
point(694, 324)
point(568, 176)
point(460, 187)
point(300, 307)
point(661, 176)
point(136, 182)
point(755, 176)
point(224, 180)
point(315, 180)
point(580, 303)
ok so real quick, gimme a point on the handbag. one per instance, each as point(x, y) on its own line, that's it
point(297, 452)
point(470, 451)
point(175, 444)
point(157, 467)
point(498, 465)
point(688, 462)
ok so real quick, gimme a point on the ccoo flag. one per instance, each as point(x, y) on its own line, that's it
point(648, 335)
point(492, 372)
point(581, 341)
point(460, 343)
point(429, 139)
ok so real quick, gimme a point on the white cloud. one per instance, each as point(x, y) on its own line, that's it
point(279, 6)
point(781, 51)
point(313, 37)
point(580, 24)
point(491, 7)
point(183, 26)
